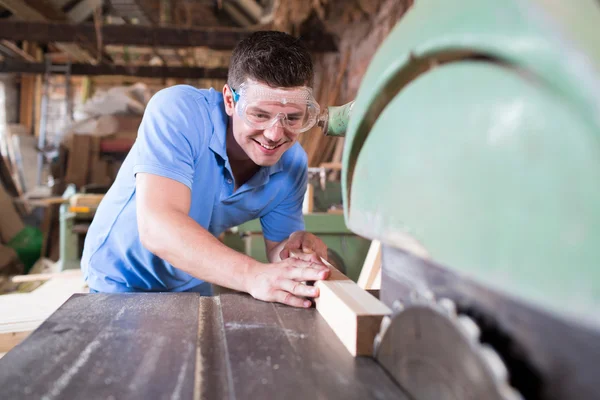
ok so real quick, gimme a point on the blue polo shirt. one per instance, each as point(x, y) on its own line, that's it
point(182, 137)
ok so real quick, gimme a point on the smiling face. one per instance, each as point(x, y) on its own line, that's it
point(265, 145)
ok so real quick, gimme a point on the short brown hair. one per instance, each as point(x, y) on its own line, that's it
point(271, 57)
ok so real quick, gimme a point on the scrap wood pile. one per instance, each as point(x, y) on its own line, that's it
point(88, 154)
point(19, 244)
point(105, 130)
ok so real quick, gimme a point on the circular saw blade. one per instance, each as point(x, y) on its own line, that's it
point(434, 354)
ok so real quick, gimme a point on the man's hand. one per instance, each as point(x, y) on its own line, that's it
point(304, 242)
point(283, 281)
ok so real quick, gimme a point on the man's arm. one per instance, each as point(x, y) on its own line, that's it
point(167, 231)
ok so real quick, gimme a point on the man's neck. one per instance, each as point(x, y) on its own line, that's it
point(242, 167)
point(243, 170)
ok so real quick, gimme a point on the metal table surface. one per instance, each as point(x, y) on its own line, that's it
point(184, 346)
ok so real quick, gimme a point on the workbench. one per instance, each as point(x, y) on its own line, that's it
point(184, 346)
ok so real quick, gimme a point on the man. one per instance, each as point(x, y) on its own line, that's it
point(205, 161)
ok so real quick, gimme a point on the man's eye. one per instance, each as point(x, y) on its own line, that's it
point(294, 118)
point(260, 115)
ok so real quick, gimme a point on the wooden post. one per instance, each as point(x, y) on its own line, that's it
point(37, 110)
point(370, 275)
point(27, 100)
point(308, 204)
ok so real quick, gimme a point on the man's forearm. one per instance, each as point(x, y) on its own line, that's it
point(179, 240)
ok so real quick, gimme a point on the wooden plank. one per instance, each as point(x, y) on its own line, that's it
point(98, 167)
point(16, 50)
point(309, 198)
point(14, 66)
point(83, 10)
point(11, 339)
point(42, 202)
point(137, 35)
point(370, 274)
point(7, 257)
point(78, 164)
point(21, 313)
point(59, 4)
point(22, 10)
point(50, 215)
point(10, 220)
point(6, 180)
point(44, 276)
point(353, 314)
point(336, 166)
point(39, 88)
point(15, 157)
point(27, 98)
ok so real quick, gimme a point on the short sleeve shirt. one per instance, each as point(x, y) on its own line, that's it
point(183, 137)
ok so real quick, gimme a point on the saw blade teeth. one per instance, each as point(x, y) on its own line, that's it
point(422, 295)
point(448, 306)
point(376, 344)
point(495, 363)
point(509, 393)
point(385, 323)
point(397, 306)
point(470, 327)
point(428, 295)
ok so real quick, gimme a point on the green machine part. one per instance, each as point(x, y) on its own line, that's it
point(474, 142)
point(347, 250)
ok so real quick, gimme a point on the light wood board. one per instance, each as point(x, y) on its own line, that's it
point(353, 314)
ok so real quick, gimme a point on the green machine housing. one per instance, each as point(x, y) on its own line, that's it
point(346, 250)
point(474, 146)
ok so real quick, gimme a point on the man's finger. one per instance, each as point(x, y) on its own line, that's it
point(284, 297)
point(310, 257)
point(316, 272)
point(295, 240)
point(299, 289)
point(322, 252)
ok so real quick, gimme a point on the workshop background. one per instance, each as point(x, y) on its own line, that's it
point(456, 187)
point(69, 113)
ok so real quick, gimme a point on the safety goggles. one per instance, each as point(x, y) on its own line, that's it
point(261, 107)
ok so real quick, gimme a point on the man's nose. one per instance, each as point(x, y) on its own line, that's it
point(274, 133)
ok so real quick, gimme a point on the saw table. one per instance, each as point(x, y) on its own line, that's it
point(184, 346)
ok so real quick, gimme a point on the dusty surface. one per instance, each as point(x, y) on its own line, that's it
point(176, 346)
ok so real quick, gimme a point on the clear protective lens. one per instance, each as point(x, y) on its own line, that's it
point(263, 107)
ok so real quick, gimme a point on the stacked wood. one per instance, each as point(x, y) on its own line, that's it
point(87, 162)
point(10, 226)
point(11, 166)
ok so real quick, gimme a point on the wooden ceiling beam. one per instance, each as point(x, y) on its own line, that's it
point(24, 11)
point(12, 66)
point(83, 10)
point(137, 35)
point(16, 50)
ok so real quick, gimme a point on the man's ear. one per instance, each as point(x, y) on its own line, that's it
point(228, 99)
